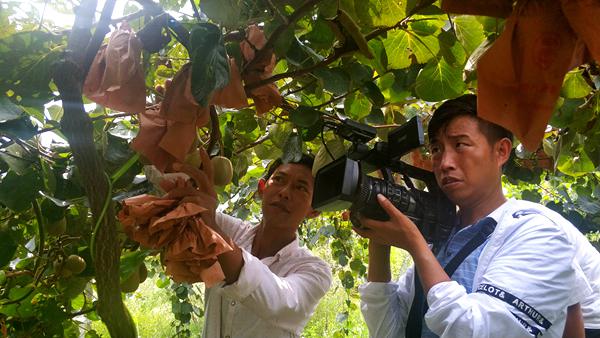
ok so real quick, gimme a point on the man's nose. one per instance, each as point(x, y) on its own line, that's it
point(285, 190)
point(447, 160)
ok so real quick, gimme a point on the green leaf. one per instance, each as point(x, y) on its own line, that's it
point(451, 50)
point(440, 81)
point(304, 116)
point(566, 112)
point(575, 86)
point(130, 262)
point(401, 44)
point(379, 62)
point(376, 117)
point(335, 80)
point(310, 133)
point(574, 162)
point(531, 195)
point(292, 150)
point(8, 247)
point(17, 158)
point(320, 36)
point(469, 32)
point(51, 211)
point(21, 128)
point(357, 105)
point(26, 65)
point(245, 120)
point(210, 66)
point(379, 13)
point(228, 138)
point(359, 73)
point(402, 85)
point(267, 151)
point(17, 192)
point(8, 110)
point(226, 12)
point(301, 55)
point(334, 147)
point(373, 93)
point(347, 280)
point(424, 25)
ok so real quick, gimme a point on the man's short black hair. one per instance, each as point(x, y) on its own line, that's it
point(306, 160)
point(465, 105)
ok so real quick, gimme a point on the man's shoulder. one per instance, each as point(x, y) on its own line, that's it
point(522, 220)
point(521, 211)
point(303, 258)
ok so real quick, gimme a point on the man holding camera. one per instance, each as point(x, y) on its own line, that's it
point(507, 269)
point(272, 285)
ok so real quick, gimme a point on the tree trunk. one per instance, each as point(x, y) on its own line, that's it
point(77, 127)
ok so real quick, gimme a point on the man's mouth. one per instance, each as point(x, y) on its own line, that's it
point(281, 206)
point(446, 181)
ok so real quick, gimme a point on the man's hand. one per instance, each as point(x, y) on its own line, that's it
point(399, 231)
point(202, 194)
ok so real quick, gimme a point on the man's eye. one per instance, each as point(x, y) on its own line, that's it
point(434, 150)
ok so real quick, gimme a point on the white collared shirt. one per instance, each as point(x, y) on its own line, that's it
point(526, 277)
point(273, 297)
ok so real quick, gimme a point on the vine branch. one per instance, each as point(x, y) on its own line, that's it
point(292, 18)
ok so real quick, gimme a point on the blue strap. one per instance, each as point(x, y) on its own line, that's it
point(419, 307)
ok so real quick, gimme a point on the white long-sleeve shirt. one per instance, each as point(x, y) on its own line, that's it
point(525, 279)
point(588, 259)
point(273, 296)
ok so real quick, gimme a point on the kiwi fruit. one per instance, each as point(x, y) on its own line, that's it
point(222, 170)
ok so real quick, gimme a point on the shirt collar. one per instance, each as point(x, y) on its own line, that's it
point(285, 251)
point(288, 249)
point(499, 212)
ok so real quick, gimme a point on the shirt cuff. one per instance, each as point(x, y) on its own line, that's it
point(377, 290)
point(249, 278)
point(444, 292)
point(582, 287)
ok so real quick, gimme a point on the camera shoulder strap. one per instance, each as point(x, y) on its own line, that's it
point(419, 307)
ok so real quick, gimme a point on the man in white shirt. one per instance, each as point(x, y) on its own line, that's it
point(517, 282)
point(272, 285)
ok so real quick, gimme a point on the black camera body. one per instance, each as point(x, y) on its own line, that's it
point(345, 183)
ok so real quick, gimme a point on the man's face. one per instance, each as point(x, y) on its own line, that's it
point(466, 166)
point(287, 196)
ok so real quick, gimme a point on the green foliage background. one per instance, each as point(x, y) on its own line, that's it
point(421, 56)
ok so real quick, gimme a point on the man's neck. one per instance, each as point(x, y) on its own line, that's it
point(483, 207)
point(269, 240)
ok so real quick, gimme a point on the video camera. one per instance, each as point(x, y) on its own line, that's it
point(344, 183)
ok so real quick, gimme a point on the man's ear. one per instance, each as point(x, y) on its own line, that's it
point(262, 183)
point(503, 150)
point(313, 213)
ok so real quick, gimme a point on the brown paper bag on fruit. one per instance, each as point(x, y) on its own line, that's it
point(520, 76)
point(233, 94)
point(265, 97)
point(116, 78)
point(175, 226)
point(584, 18)
point(495, 8)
